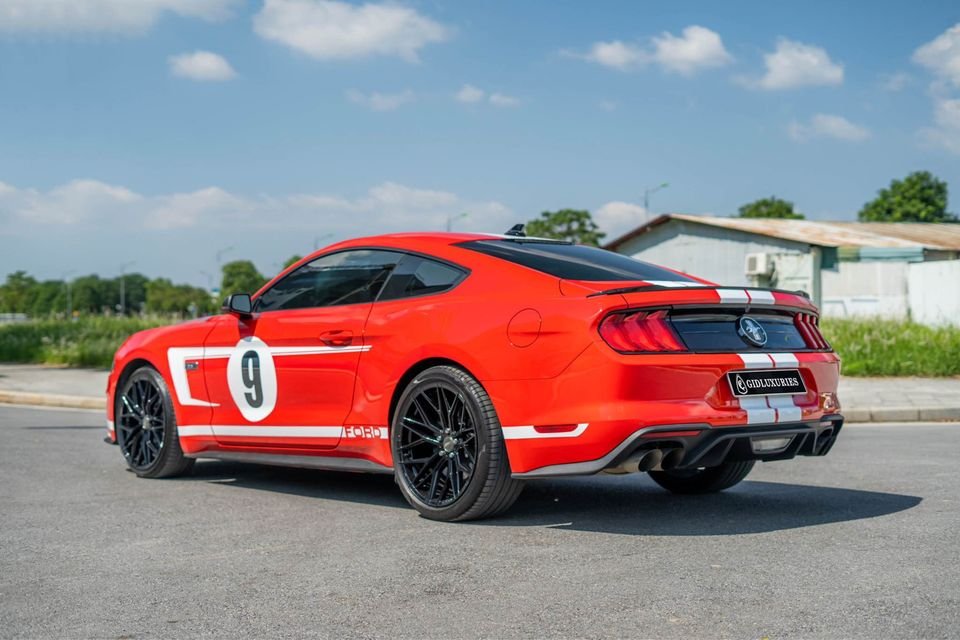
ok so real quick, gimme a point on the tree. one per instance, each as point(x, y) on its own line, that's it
point(920, 197)
point(165, 297)
point(574, 225)
point(17, 292)
point(240, 276)
point(291, 260)
point(771, 207)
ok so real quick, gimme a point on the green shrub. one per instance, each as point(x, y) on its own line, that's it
point(85, 342)
point(878, 347)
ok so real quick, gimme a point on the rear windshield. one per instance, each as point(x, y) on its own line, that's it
point(572, 261)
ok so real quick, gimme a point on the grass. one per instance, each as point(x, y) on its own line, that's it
point(878, 347)
point(85, 342)
point(868, 347)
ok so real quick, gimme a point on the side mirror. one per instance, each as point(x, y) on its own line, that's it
point(239, 304)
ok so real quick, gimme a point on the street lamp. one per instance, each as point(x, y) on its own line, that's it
point(650, 191)
point(221, 252)
point(123, 287)
point(318, 239)
point(453, 218)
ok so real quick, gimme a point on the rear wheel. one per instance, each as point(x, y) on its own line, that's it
point(147, 428)
point(708, 480)
point(448, 450)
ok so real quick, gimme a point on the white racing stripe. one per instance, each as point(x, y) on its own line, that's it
point(786, 410)
point(756, 360)
point(733, 296)
point(758, 411)
point(528, 432)
point(770, 409)
point(260, 431)
point(673, 284)
point(760, 297)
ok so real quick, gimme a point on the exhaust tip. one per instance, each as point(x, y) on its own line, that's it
point(671, 459)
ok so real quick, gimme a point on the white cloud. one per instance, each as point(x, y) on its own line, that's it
point(127, 17)
point(895, 82)
point(616, 55)
point(470, 94)
point(617, 218)
point(942, 55)
point(331, 30)
point(794, 64)
point(946, 132)
point(609, 105)
point(824, 125)
point(75, 202)
point(180, 210)
point(698, 48)
point(202, 66)
point(695, 49)
point(503, 100)
point(376, 101)
point(387, 207)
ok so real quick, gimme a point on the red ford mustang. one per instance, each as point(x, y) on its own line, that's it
point(466, 364)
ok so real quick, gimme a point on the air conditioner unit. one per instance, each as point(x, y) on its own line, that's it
point(758, 264)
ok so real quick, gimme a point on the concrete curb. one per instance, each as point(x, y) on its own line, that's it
point(902, 414)
point(52, 400)
point(883, 414)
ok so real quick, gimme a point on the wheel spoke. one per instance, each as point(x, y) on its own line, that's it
point(140, 427)
point(438, 444)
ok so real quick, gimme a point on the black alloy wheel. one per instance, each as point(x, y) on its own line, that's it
point(146, 426)
point(438, 444)
point(449, 456)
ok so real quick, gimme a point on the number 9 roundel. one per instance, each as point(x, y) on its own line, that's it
point(252, 379)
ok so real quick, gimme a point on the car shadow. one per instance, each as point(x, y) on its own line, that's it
point(634, 505)
point(629, 505)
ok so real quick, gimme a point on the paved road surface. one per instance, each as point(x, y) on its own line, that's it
point(863, 543)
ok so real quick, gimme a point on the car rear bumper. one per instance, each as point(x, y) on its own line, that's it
point(700, 445)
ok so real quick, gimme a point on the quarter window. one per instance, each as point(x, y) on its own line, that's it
point(345, 277)
point(417, 276)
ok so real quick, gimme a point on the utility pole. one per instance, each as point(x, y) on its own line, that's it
point(650, 191)
point(66, 281)
point(123, 287)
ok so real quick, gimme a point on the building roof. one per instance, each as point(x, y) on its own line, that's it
point(881, 235)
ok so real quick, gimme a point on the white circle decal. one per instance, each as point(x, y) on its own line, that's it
point(252, 379)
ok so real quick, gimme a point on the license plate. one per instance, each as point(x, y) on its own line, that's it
point(772, 382)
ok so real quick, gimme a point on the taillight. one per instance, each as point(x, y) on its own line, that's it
point(807, 326)
point(640, 331)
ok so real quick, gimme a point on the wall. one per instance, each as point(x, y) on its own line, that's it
point(708, 252)
point(866, 289)
point(934, 292)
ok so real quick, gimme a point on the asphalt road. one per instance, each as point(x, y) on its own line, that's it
point(862, 543)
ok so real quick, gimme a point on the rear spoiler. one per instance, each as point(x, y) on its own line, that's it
point(662, 287)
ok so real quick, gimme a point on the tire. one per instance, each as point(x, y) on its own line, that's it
point(709, 480)
point(433, 448)
point(146, 426)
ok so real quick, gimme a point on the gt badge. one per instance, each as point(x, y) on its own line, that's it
point(751, 331)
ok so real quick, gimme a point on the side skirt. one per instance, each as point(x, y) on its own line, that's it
point(302, 462)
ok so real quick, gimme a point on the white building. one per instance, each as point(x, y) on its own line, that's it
point(895, 270)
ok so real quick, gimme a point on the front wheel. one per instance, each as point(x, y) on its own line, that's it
point(708, 480)
point(147, 428)
point(448, 450)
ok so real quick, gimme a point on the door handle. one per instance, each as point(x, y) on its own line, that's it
point(337, 338)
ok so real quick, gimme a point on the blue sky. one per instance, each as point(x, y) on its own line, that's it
point(160, 131)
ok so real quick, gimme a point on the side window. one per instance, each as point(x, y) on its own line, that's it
point(345, 277)
point(416, 276)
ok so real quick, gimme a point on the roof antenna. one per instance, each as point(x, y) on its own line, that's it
point(516, 231)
